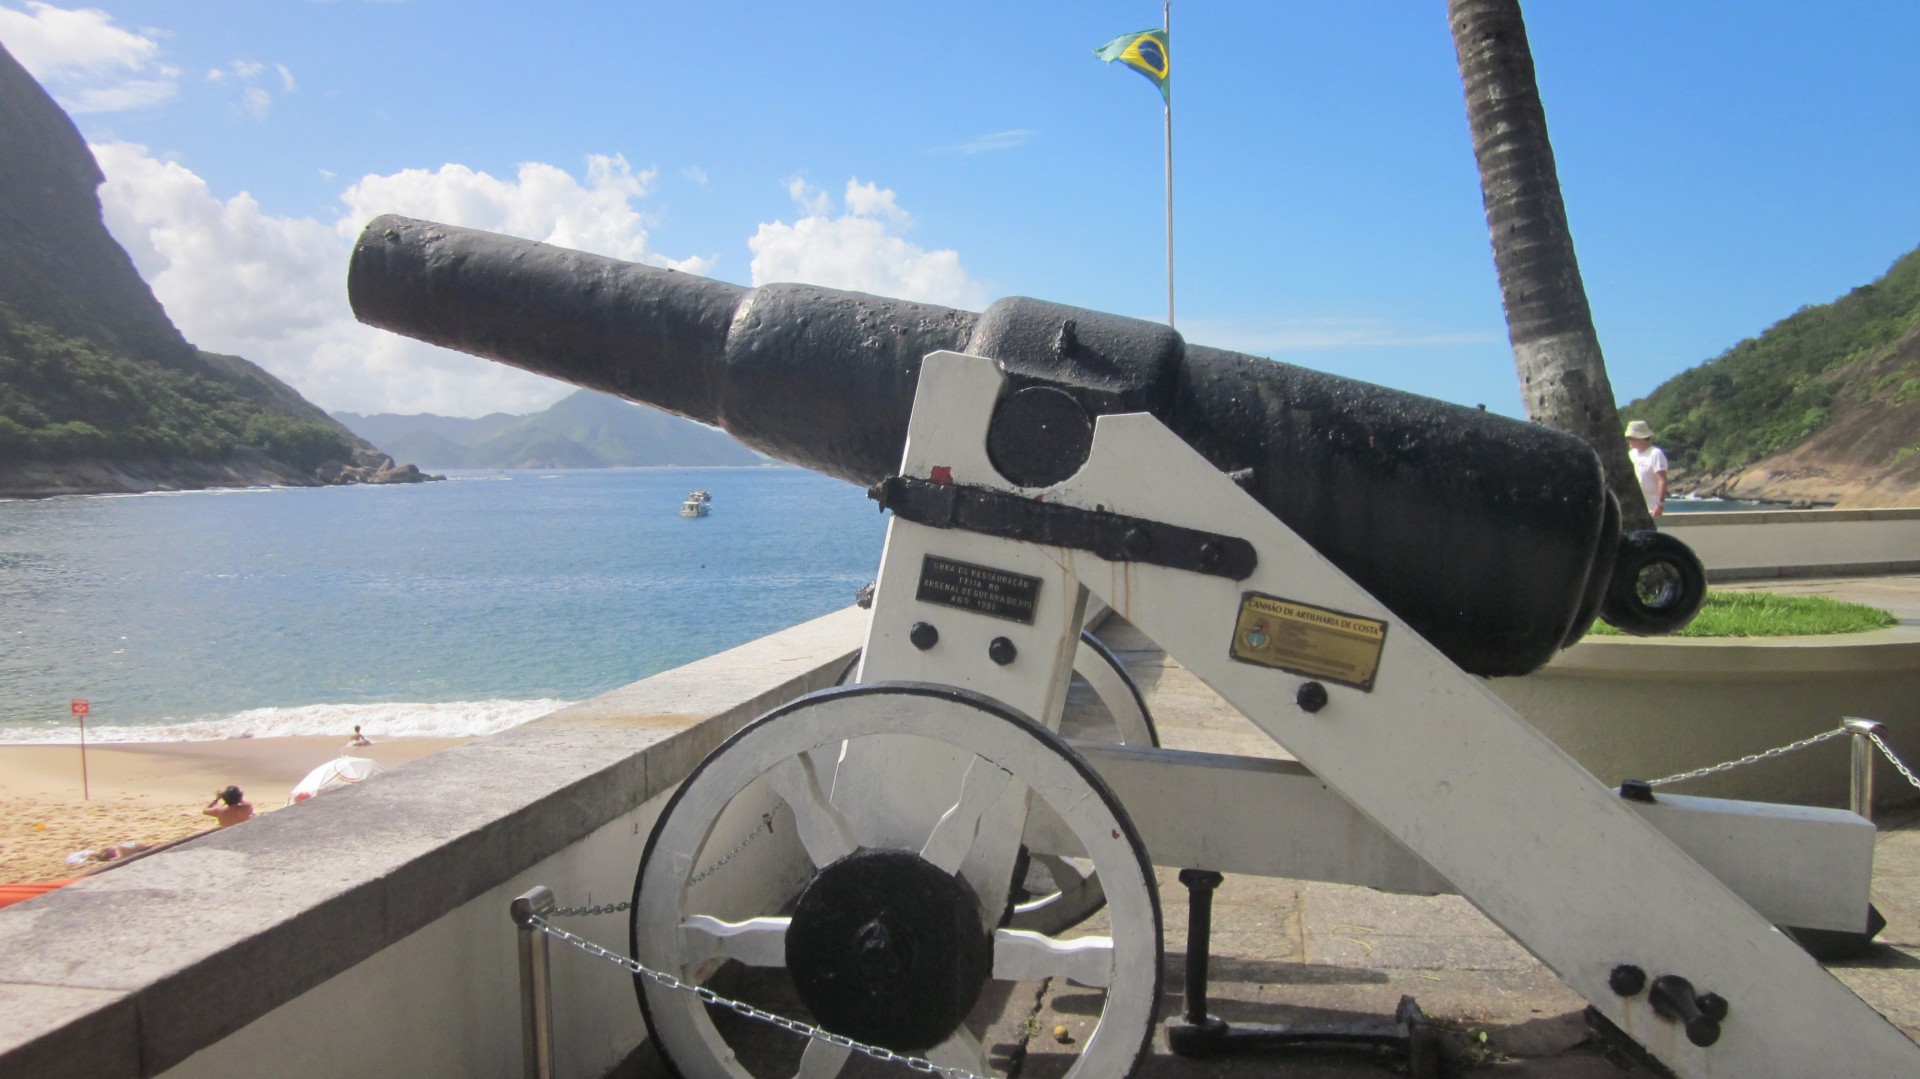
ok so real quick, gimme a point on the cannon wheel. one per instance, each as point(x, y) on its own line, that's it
point(675, 931)
point(1070, 891)
point(1056, 893)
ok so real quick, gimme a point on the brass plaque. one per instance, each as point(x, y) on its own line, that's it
point(1311, 641)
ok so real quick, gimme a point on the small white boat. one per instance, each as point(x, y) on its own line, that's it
point(698, 504)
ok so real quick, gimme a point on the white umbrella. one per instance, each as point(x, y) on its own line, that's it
point(338, 772)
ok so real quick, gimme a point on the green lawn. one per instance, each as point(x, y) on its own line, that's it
point(1766, 614)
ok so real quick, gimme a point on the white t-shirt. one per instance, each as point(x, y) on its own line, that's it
point(1648, 464)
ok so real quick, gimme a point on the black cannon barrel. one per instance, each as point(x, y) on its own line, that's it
point(1493, 538)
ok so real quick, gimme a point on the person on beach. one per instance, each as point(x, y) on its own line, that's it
point(229, 807)
point(1649, 464)
point(358, 739)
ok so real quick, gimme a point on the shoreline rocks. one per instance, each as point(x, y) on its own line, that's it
point(245, 467)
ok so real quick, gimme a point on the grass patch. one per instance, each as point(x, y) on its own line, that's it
point(1768, 614)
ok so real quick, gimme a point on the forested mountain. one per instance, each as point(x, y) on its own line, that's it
point(98, 390)
point(585, 430)
point(1823, 408)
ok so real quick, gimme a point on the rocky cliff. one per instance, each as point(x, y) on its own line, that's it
point(99, 391)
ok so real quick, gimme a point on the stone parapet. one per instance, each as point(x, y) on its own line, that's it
point(366, 933)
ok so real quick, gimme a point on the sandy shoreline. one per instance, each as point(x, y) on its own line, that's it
point(150, 792)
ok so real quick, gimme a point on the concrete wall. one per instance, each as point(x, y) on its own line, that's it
point(1801, 543)
point(1644, 709)
point(366, 933)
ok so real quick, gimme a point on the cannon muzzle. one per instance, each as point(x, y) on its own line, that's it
point(1494, 539)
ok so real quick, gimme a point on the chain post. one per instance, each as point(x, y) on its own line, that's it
point(1864, 734)
point(536, 983)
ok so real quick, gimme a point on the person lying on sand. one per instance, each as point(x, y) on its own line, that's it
point(229, 807)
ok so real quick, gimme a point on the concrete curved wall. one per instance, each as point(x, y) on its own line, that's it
point(1630, 708)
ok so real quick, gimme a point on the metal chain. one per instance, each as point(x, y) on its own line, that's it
point(766, 825)
point(807, 1030)
point(1898, 764)
point(604, 908)
point(1751, 758)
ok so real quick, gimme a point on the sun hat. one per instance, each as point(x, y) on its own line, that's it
point(1639, 429)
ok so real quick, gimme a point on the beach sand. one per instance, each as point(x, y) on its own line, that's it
point(150, 792)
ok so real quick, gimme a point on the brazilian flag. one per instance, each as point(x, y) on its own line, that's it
point(1145, 52)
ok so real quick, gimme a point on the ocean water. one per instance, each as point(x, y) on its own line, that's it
point(439, 609)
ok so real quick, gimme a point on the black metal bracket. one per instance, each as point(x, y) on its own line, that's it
point(1199, 1035)
point(1112, 536)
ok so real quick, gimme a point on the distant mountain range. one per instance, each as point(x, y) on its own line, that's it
point(585, 430)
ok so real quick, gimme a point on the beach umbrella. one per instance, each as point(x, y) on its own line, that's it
point(338, 772)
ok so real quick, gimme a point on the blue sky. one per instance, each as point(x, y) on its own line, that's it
point(1724, 163)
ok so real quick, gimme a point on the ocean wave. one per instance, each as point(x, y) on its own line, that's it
point(447, 719)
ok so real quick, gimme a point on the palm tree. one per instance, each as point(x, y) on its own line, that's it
point(1563, 376)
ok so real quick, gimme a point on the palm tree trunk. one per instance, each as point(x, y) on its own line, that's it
point(1563, 376)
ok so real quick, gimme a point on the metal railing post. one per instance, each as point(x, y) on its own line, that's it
point(536, 984)
point(1860, 789)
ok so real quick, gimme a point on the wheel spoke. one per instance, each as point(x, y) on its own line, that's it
point(980, 790)
point(1022, 955)
point(822, 1060)
point(823, 831)
point(757, 942)
point(962, 1050)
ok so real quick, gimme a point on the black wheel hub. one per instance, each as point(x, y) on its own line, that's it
point(887, 949)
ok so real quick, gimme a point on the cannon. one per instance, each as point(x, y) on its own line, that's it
point(1493, 538)
point(1340, 563)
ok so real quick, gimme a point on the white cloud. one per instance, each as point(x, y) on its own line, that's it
point(86, 62)
point(995, 140)
point(695, 174)
point(860, 250)
point(236, 279)
point(255, 102)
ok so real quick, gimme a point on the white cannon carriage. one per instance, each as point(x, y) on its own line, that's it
point(916, 795)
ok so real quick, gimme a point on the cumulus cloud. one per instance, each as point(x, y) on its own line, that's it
point(860, 249)
point(86, 62)
point(239, 280)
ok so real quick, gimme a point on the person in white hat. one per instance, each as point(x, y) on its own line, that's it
point(1649, 464)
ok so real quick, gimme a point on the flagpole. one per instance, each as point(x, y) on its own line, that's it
point(1166, 24)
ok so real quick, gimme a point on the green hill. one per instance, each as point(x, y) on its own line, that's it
point(98, 390)
point(1823, 407)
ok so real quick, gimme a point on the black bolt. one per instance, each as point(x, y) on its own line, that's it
point(923, 635)
point(1673, 998)
point(1001, 651)
point(1210, 554)
point(1312, 697)
point(1636, 790)
point(1713, 1006)
point(1135, 543)
point(1627, 980)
